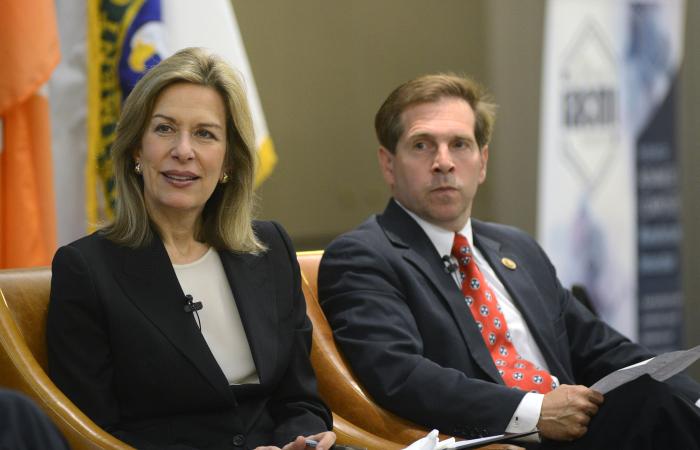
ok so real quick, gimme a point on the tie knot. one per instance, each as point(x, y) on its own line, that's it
point(460, 246)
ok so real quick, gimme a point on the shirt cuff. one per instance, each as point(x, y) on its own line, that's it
point(698, 403)
point(527, 414)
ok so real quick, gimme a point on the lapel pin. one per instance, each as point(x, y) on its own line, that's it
point(509, 263)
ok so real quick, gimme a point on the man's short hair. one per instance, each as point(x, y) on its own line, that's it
point(429, 89)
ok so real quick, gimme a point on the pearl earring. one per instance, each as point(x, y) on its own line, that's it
point(137, 168)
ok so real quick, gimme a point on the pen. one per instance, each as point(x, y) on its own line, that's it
point(311, 443)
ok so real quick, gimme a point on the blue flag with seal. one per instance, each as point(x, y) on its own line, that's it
point(125, 38)
point(143, 46)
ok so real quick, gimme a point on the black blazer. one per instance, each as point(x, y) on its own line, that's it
point(403, 325)
point(123, 349)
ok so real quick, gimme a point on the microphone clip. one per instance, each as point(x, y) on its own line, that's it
point(191, 305)
point(450, 267)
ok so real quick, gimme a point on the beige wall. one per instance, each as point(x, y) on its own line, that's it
point(324, 67)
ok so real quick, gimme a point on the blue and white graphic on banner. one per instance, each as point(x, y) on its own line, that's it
point(608, 203)
point(652, 75)
point(590, 141)
point(143, 46)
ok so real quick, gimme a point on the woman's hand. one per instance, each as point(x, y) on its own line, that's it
point(325, 441)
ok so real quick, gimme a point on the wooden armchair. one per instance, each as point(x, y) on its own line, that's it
point(336, 383)
point(24, 296)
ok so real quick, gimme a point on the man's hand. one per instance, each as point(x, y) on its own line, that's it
point(325, 441)
point(566, 412)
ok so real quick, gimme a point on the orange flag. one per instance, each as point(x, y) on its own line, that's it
point(29, 51)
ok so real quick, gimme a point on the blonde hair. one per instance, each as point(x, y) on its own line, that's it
point(226, 221)
point(429, 89)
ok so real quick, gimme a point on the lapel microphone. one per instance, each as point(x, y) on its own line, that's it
point(191, 305)
point(450, 267)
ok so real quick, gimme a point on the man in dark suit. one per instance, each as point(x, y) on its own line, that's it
point(462, 325)
point(23, 426)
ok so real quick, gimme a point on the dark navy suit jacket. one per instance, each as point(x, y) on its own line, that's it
point(402, 322)
point(123, 349)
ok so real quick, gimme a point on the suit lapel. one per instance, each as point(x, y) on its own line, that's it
point(253, 289)
point(524, 294)
point(149, 281)
point(401, 229)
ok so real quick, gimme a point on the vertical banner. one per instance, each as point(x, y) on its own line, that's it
point(109, 45)
point(653, 59)
point(609, 199)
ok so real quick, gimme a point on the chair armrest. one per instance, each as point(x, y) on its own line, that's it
point(20, 371)
point(349, 434)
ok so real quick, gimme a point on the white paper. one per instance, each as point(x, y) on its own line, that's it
point(484, 440)
point(471, 443)
point(430, 441)
point(446, 444)
point(659, 368)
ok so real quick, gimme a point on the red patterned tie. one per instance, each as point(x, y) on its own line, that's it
point(515, 371)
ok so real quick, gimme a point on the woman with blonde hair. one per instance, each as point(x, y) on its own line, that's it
point(181, 324)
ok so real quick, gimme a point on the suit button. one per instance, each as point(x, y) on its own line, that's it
point(239, 440)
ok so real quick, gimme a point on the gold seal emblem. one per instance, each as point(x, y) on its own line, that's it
point(509, 263)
